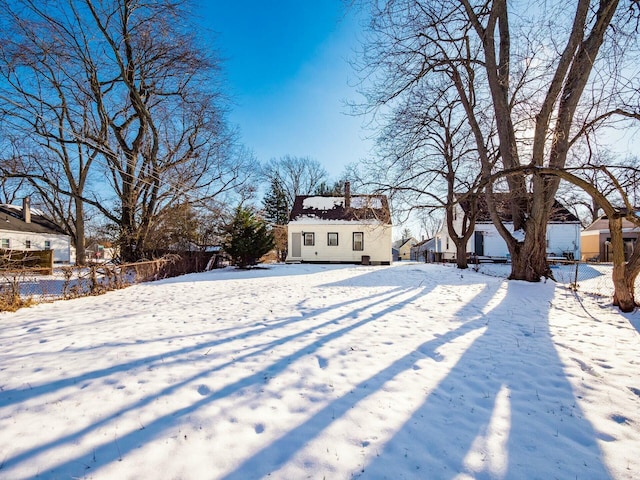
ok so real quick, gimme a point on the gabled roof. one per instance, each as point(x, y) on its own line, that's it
point(403, 241)
point(559, 213)
point(354, 208)
point(602, 224)
point(424, 242)
point(11, 219)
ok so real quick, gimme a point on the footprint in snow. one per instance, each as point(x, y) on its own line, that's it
point(619, 418)
point(259, 428)
point(322, 362)
point(584, 367)
point(203, 390)
point(635, 390)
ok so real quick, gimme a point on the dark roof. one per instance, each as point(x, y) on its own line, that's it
point(559, 213)
point(326, 207)
point(11, 220)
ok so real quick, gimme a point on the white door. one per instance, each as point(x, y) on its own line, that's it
point(296, 245)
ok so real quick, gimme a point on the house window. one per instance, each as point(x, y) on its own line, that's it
point(309, 239)
point(47, 244)
point(332, 239)
point(358, 241)
point(5, 243)
point(27, 244)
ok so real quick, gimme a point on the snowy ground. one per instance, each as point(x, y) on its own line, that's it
point(324, 372)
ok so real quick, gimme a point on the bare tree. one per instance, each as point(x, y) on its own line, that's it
point(119, 89)
point(588, 160)
point(295, 175)
point(538, 72)
point(11, 189)
point(616, 206)
point(44, 115)
point(428, 160)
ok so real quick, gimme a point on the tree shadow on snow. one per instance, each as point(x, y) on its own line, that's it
point(496, 414)
point(499, 411)
point(114, 450)
point(633, 318)
point(507, 403)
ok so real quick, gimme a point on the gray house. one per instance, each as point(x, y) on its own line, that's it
point(424, 251)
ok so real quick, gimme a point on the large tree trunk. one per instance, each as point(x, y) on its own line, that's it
point(128, 242)
point(622, 283)
point(461, 254)
point(80, 237)
point(529, 258)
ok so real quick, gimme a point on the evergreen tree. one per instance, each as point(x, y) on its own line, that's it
point(336, 189)
point(406, 234)
point(276, 205)
point(247, 238)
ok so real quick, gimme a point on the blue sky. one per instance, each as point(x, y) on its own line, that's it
point(287, 67)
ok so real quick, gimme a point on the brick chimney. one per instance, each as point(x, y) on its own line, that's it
point(26, 209)
point(347, 194)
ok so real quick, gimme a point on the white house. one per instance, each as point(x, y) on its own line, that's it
point(563, 233)
point(24, 228)
point(340, 229)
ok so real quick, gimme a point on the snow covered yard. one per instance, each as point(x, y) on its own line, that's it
point(324, 372)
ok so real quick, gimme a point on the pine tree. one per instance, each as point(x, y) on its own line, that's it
point(247, 238)
point(276, 206)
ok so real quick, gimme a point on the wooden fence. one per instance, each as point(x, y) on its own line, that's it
point(34, 261)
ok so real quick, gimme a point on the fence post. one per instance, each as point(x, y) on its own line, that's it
point(575, 282)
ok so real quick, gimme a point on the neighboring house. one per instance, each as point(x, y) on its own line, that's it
point(24, 228)
point(596, 240)
point(100, 252)
point(563, 233)
point(340, 229)
point(404, 247)
point(424, 251)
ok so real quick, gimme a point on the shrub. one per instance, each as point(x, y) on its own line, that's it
point(247, 238)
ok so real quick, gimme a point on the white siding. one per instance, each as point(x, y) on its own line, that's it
point(60, 244)
point(494, 244)
point(377, 242)
point(561, 238)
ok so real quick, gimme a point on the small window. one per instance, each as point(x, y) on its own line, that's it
point(5, 243)
point(27, 244)
point(47, 244)
point(332, 239)
point(309, 239)
point(358, 241)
